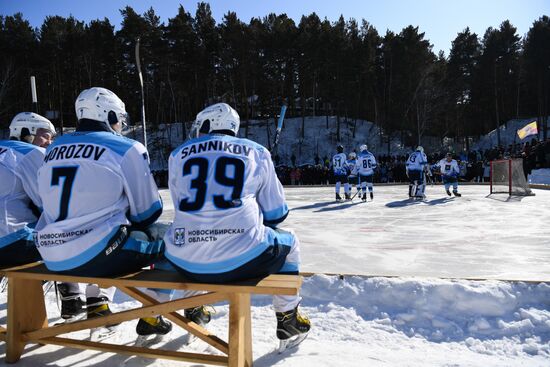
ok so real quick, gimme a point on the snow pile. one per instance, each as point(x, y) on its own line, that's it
point(540, 176)
point(361, 321)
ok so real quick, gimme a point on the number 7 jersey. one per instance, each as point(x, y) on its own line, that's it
point(224, 191)
point(91, 183)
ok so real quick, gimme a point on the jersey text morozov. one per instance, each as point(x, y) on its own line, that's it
point(91, 183)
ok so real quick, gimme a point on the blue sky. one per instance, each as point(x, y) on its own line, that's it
point(440, 20)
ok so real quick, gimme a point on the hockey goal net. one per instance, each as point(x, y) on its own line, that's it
point(507, 177)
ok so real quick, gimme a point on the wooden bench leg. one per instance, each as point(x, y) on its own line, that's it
point(240, 331)
point(26, 312)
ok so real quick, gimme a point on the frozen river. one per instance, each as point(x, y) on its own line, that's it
point(475, 236)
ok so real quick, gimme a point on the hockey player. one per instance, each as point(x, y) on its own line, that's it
point(340, 168)
point(352, 174)
point(449, 172)
point(19, 199)
point(99, 199)
point(415, 168)
point(366, 164)
point(228, 203)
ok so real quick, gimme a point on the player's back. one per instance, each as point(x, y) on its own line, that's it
point(416, 161)
point(223, 189)
point(366, 163)
point(85, 184)
point(339, 164)
point(351, 165)
point(18, 162)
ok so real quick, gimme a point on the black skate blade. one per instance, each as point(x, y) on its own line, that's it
point(291, 343)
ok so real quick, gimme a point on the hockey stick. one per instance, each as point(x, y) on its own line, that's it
point(354, 195)
point(279, 128)
point(138, 65)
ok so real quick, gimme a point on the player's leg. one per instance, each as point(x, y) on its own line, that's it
point(370, 186)
point(337, 188)
point(455, 188)
point(290, 323)
point(73, 301)
point(447, 184)
point(363, 183)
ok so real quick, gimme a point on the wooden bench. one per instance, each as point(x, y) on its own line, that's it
point(27, 321)
point(2, 273)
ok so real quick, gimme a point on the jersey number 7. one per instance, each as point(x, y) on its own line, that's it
point(69, 173)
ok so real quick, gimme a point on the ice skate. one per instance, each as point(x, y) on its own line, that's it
point(448, 192)
point(371, 196)
point(200, 316)
point(73, 308)
point(292, 329)
point(347, 196)
point(338, 198)
point(364, 197)
point(457, 194)
point(151, 330)
point(98, 307)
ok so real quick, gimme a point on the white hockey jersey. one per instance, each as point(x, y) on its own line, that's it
point(351, 166)
point(417, 161)
point(225, 190)
point(19, 164)
point(339, 164)
point(449, 169)
point(91, 183)
point(366, 163)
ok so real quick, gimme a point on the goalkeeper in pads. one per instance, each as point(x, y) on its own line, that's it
point(449, 173)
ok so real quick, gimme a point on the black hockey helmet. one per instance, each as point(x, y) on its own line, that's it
point(340, 148)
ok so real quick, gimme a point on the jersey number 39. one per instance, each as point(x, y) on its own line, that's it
point(200, 185)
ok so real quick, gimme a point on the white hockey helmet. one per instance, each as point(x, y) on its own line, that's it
point(352, 155)
point(100, 104)
point(220, 116)
point(30, 121)
point(420, 149)
point(363, 148)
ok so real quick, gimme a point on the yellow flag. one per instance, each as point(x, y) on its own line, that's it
point(527, 130)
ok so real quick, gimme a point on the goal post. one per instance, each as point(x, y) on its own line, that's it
point(507, 177)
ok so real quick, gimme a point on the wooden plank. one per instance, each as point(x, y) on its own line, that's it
point(138, 351)
point(240, 345)
point(180, 320)
point(26, 312)
point(273, 284)
point(147, 311)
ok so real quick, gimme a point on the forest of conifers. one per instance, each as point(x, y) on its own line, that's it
point(345, 68)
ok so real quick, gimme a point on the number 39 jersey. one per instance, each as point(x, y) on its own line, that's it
point(88, 183)
point(224, 190)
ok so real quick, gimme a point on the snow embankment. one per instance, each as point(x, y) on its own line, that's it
point(540, 176)
point(359, 321)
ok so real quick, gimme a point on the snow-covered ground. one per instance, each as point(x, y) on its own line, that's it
point(413, 319)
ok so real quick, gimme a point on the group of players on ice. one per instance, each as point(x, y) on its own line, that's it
point(359, 169)
point(86, 204)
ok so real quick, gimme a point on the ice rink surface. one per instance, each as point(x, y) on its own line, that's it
point(475, 236)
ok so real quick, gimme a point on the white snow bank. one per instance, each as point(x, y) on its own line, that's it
point(361, 321)
point(540, 176)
